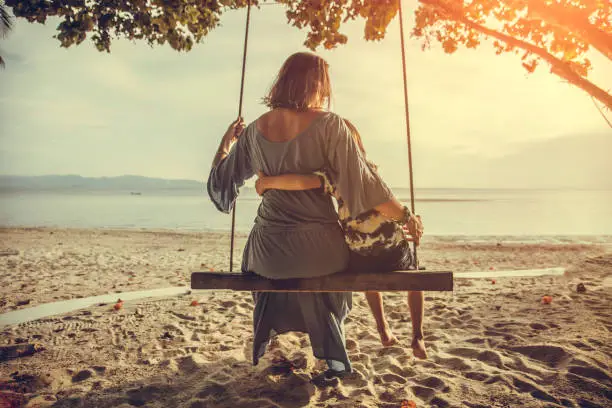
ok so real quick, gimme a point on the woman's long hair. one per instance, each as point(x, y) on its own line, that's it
point(301, 84)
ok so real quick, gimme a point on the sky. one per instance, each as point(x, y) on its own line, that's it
point(477, 119)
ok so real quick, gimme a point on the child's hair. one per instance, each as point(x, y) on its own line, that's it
point(356, 135)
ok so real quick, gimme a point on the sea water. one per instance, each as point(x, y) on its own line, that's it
point(473, 212)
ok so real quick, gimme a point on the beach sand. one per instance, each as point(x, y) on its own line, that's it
point(490, 344)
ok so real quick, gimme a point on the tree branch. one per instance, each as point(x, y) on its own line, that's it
point(558, 66)
point(560, 18)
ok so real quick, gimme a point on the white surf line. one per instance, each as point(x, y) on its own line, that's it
point(524, 273)
point(65, 306)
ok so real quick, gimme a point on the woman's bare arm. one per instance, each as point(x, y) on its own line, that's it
point(291, 182)
point(229, 138)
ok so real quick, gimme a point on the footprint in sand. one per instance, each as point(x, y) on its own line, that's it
point(588, 371)
point(404, 371)
point(82, 376)
point(384, 362)
point(489, 357)
point(552, 356)
point(351, 345)
point(438, 402)
point(141, 396)
point(476, 376)
point(174, 330)
point(454, 363)
point(434, 383)
point(424, 393)
point(583, 346)
point(583, 403)
point(589, 385)
point(226, 304)
point(390, 378)
point(100, 370)
point(214, 391)
point(538, 326)
point(526, 386)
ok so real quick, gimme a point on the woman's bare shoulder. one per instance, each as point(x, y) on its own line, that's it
point(281, 125)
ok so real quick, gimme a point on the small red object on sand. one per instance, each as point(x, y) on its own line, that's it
point(118, 305)
point(492, 281)
point(408, 404)
point(491, 268)
point(194, 303)
point(546, 300)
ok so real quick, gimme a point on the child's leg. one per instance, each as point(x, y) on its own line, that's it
point(376, 306)
point(415, 303)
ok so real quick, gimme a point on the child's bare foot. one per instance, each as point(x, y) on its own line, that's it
point(418, 348)
point(386, 336)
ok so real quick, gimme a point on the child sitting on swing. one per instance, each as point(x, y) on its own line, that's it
point(375, 240)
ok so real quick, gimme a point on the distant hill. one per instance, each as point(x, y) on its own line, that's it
point(75, 182)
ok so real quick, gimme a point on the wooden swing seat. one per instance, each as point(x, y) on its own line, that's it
point(396, 281)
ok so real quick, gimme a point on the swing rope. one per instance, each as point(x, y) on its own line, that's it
point(244, 55)
point(401, 24)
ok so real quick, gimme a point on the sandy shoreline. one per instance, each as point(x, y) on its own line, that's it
point(490, 344)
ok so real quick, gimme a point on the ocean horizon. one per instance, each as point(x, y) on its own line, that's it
point(445, 211)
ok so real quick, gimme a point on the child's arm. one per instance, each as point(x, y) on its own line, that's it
point(292, 182)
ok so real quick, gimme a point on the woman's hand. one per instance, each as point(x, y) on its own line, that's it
point(233, 131)
point(231, 134)
point(261, 183)
point(414, 229)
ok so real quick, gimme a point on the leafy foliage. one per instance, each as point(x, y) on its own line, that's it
point(559, 32)
point(564, 28)
point(181, 23)
point(324, 18)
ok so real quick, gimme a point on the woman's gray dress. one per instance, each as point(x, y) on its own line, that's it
point(296, 233)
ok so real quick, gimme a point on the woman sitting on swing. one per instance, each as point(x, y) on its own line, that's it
point(376, 241)
point(296, 234)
